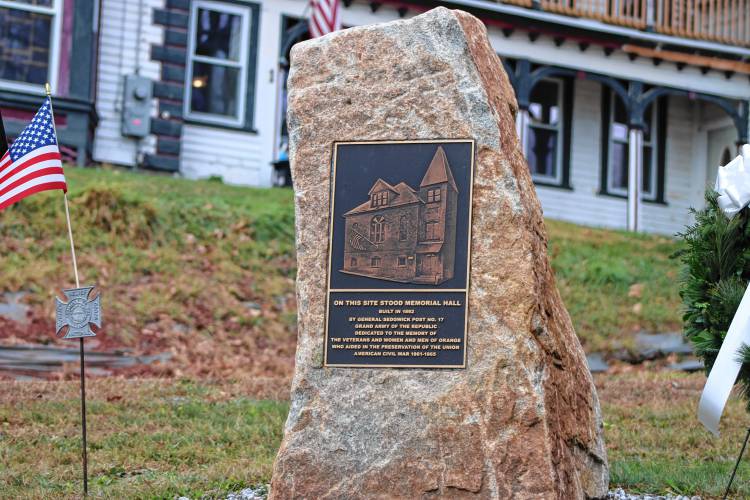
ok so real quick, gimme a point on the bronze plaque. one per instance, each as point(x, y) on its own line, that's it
point(399, 245)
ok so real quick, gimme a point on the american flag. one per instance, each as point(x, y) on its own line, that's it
point(324, 17)
point(32, 163)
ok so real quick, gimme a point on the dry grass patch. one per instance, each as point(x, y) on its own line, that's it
point(655, 442)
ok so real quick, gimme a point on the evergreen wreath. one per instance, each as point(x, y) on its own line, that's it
point(716, 254)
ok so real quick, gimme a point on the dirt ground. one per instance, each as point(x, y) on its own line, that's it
point(261, 343)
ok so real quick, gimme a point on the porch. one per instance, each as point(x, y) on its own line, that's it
point(584, 167)
point(724, 21)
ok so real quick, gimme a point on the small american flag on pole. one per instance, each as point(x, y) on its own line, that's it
point(32, 163)
point(324, 17)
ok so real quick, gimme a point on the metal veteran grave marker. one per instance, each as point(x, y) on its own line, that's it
point(399, 254)
point(78, 313)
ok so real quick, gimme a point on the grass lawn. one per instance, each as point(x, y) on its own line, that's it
point(206, 272)
point(164, 438)
point(199, 261)
point(615, 283)
point(148, 439)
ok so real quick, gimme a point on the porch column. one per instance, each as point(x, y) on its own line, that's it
point(522, 121)
point(635, 174)
point(523, 83)
point(636, 106)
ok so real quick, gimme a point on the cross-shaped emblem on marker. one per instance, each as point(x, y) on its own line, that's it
point(78, 313)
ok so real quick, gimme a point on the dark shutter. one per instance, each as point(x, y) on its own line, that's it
point(3, 138)
point(661, 144)
point(604, 160)
point(567, 131)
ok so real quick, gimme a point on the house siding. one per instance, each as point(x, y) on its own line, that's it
point(121, 52)
point(679, 195)
point(235, 156)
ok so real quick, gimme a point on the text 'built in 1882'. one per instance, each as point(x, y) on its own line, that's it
point(399, 246)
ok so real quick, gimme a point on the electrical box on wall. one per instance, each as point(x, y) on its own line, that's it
point(136, 106)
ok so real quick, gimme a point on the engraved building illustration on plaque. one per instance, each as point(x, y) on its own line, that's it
point(405, 235)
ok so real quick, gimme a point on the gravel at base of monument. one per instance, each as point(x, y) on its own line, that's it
point(620, 494)
point(261, 493)
point(256, 493)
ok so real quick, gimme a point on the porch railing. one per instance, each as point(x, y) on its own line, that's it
point(725, 21)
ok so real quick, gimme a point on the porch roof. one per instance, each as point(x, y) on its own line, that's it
point(617, 27)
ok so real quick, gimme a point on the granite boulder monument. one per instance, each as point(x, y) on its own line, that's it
point(435, 356)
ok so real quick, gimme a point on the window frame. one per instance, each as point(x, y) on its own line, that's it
point(565, 96)
point(245, 62)
point(377, 229)
point(53, 63)
point(653, 144)
point(435, 232)
point(379, 199)
point(658, 144)
point(557, 179)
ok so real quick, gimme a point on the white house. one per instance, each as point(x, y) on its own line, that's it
point(610, 90)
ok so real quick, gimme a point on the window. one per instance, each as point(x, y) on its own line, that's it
point(377, 229)
point(354, 262)
point(403, 228)
point(545, 138)
point(401, 261)
point(218, 63)
point(380, 199)
point(615, 154)
point(433, 195)
point(431, 230)
point(375, 262)
point(29, 41)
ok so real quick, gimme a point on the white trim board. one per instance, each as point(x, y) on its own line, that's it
point(242, 63)
point(53, 70)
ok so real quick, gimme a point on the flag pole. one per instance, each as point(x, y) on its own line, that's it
point(736, 465)
point(84, 447)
